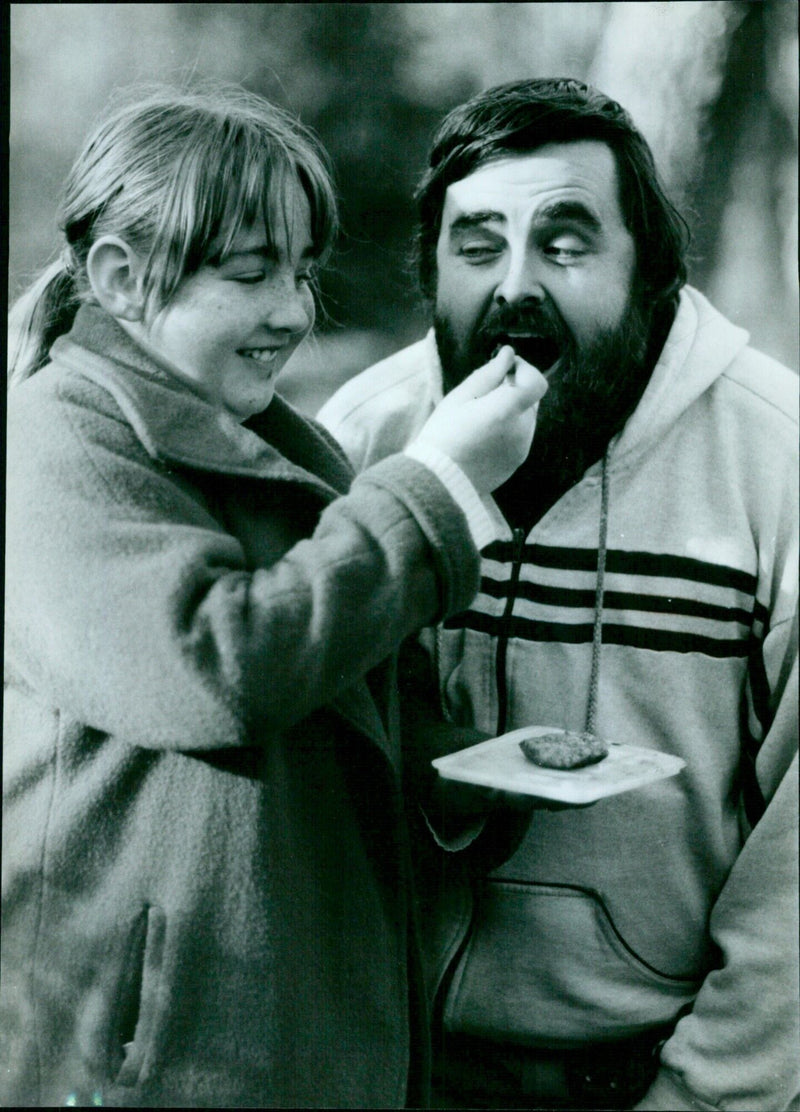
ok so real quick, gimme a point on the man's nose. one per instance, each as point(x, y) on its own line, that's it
point(522, 280)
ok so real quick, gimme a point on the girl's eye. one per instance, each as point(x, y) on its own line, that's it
point(250, 279)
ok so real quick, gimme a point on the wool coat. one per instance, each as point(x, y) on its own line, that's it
point(205, 872)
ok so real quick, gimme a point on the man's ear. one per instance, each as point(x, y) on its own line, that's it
point(114, 272)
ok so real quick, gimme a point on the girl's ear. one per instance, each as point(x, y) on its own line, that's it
point(114, 272)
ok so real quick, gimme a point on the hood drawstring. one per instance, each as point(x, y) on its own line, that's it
point(597, 634)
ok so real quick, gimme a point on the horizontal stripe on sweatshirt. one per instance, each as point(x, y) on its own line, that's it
point(656, 601)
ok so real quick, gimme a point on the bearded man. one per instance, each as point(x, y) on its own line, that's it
point(641, 952)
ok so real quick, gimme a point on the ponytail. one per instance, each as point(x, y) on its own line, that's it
point(43, 313)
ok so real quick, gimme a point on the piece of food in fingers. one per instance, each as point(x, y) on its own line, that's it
point(564, 749)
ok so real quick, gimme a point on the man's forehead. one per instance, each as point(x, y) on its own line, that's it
point(585, 169)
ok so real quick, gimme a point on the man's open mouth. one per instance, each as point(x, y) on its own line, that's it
point(541, 351)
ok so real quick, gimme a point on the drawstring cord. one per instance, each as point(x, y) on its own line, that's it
point(597, 633)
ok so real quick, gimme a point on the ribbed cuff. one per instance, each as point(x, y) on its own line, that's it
point(460, 489)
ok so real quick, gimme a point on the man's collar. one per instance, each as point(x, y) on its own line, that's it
point(434, 366)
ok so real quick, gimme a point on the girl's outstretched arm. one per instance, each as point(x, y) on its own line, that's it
point(131, 607)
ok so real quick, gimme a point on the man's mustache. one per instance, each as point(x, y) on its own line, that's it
point(540, 320)
point(537, 333)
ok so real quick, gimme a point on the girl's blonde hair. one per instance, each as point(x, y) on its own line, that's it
point(176, 175)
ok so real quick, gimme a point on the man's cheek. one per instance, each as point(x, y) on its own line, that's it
point(462, 326)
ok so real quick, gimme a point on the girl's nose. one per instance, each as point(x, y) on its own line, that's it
point(521, 281)
point(289, 305)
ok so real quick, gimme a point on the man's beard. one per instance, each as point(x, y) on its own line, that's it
point(592, 390)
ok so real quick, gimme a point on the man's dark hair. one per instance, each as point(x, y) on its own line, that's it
point(518, 117)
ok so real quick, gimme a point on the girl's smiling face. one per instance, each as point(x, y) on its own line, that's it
point(233, 324)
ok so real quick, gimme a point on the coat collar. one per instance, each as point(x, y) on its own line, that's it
point(176, 426)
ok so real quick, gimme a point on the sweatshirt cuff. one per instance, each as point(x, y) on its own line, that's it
point(481, 527)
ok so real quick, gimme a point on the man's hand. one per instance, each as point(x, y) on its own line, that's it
point(486, 424)
point(474, 799)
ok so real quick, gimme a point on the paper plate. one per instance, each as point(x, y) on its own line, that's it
point(500, 763)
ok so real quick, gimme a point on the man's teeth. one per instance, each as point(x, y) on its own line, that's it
point(261, 355)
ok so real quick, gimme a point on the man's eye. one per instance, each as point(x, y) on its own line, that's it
point(478, 252)
point(307, 275)
point(565, 249)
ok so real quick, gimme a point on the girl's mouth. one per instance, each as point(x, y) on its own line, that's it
point(259, 355)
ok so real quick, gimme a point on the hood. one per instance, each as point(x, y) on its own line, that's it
point(700, 346)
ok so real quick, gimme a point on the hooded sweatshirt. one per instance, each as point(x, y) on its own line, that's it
point(681, 896)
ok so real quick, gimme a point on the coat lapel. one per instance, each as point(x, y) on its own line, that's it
point(176, 426)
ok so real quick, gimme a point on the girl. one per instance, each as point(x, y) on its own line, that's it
point(205, 875)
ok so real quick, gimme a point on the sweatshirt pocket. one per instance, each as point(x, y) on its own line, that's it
point(137, 1015)
point(545, 966)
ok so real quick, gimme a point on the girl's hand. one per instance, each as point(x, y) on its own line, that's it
point(486, 423)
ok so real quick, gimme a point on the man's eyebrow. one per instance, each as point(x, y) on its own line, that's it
point(572, 212)
point(469, 220)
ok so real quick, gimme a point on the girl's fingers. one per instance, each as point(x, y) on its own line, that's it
point(504, 369)
point(486, 378)
point(531, 383)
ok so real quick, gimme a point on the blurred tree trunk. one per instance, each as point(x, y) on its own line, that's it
point(665, 62)
point(745, 250)
point(707, 83)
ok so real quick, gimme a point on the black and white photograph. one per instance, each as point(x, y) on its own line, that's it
point(401, 557)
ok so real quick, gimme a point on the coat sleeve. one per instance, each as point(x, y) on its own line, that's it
point(130, 608)
point(738, 1048)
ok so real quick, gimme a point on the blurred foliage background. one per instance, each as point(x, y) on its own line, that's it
point(713, 85)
